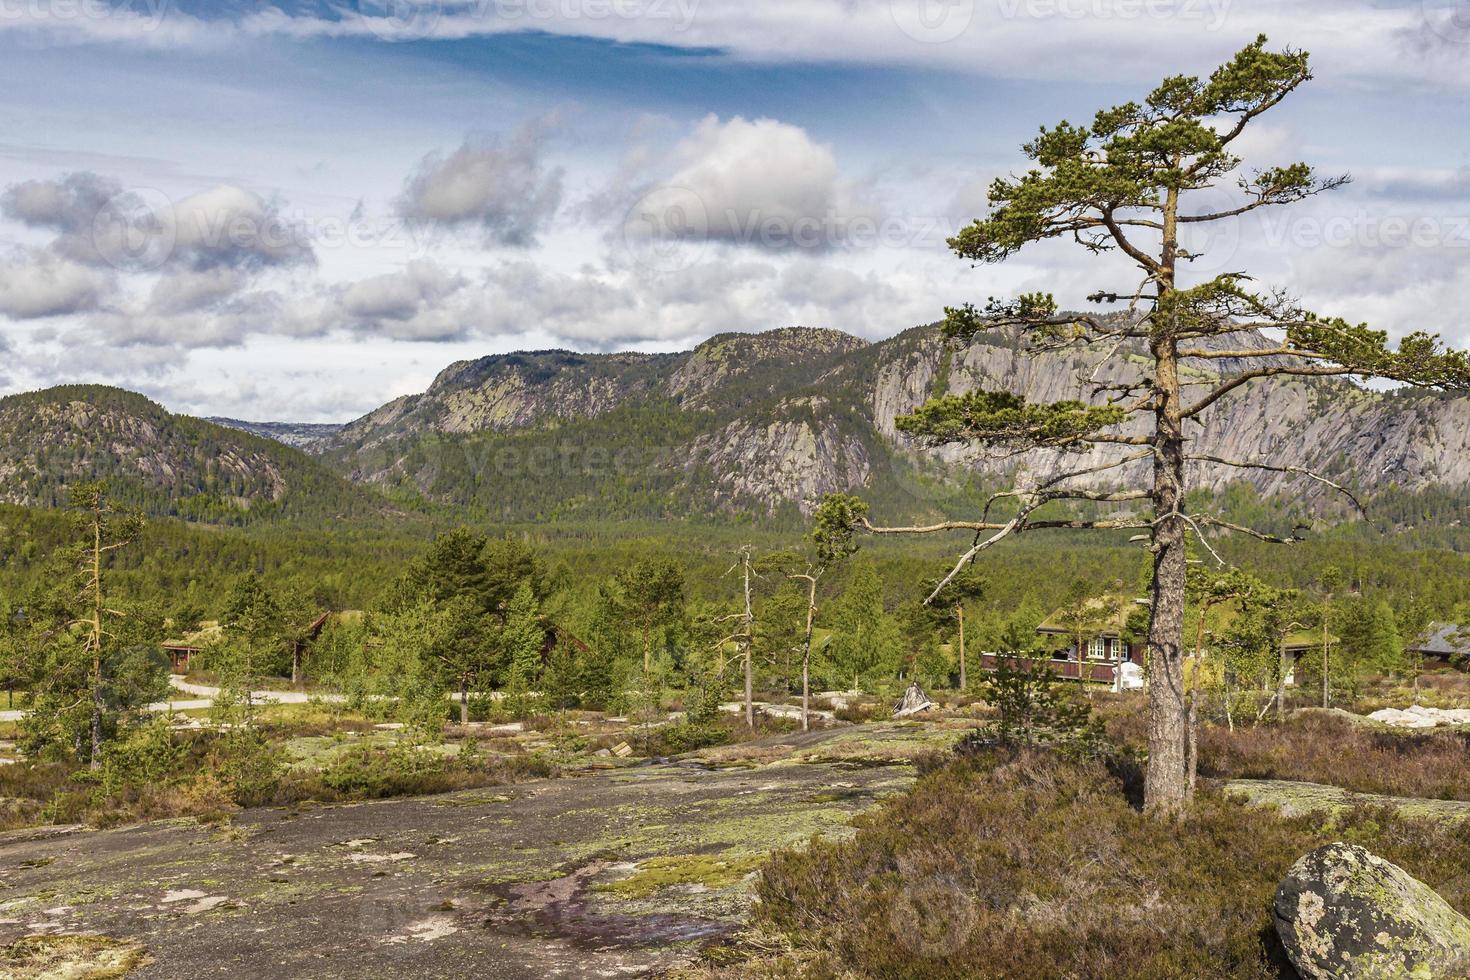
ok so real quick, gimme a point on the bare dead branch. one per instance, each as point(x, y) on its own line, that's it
point(1277, 468)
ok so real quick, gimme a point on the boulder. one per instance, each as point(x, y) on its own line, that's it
point(914, 701)
point(1345, 914)
point(1418, 716)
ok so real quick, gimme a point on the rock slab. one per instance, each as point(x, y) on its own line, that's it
point(1346, 914)
point(1418, 716)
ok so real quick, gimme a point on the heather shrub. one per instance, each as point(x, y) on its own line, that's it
point(1026, 863)
point(1319, 747)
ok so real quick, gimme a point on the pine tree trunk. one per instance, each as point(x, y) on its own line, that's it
point(1326, 693)
point(1281, 683)
point(464, 701)
point(806, 654)
point(1166, 785)
point(749, 689)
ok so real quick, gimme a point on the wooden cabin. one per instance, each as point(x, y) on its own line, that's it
point(1443, 643)
point(179, 655)
point(1109, 655)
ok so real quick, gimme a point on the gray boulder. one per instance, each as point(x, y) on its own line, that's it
point(1345, 914)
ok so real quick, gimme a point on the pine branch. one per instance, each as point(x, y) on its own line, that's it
point(1276, 468)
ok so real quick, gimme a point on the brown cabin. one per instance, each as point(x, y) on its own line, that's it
point(179, 655)
point(1107, 651)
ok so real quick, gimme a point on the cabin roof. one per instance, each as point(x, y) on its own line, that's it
point(1443, 639)
point(1056, 622)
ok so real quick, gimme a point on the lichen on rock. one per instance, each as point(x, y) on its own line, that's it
point(1346, 914)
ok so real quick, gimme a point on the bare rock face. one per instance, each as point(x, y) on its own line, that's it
point(1345, 914)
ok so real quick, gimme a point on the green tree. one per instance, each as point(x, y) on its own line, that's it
point(94, 658)
point(1129, 184)
point(650, 593)
point(866, 640)
point(467, 645)
point(524, 637)
point(1034, 709)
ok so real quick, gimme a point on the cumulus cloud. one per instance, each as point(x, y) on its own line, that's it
point(35, 283)
point(400, 295)
point(759, 183)
point(99, 222)
point(506, 190)
point(144, 270)
point(70, 203)
point(233, 228)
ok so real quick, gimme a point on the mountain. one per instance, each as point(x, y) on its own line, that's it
point(745, 427)
point(160, 463)
point(762, 425)
point(297, 435)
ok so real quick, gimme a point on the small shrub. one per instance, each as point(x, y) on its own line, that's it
point(1034, 710)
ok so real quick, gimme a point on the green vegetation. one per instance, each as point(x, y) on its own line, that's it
point(161, 464)
point(1025, 863)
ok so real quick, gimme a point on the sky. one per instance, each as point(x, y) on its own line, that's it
point(297, 210)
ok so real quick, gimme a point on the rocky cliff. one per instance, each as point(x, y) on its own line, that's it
point(763, 422)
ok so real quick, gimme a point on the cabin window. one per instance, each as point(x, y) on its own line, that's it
point(1097, 649)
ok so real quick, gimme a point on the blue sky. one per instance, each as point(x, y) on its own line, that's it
point(299, 211)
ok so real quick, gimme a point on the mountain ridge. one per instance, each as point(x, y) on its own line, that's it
point(757, 427)
point(158, 462)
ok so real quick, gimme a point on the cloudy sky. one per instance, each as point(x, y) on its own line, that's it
point(298, 209)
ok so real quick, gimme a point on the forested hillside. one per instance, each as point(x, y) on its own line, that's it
point(160, 463)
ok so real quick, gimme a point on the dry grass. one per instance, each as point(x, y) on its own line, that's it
point(1321, 748)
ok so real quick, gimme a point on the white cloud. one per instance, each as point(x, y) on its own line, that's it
point(401, 295)
point(36, 283)
point(507, 191)
point(760, 184)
